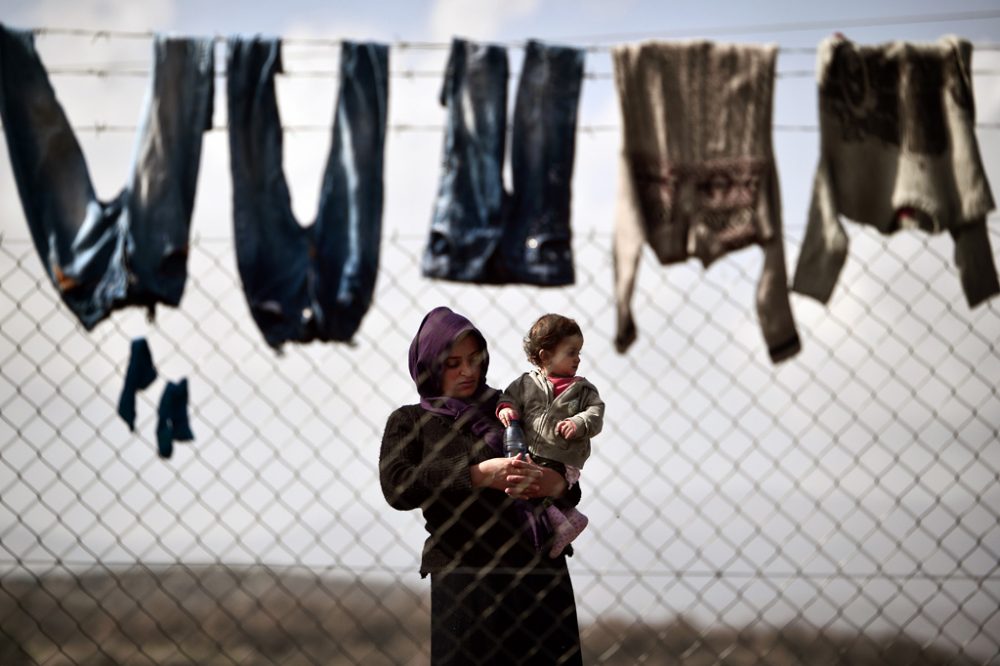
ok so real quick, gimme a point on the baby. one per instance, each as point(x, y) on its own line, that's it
point(558, 410)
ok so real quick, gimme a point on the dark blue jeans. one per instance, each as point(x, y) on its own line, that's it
point(314, 282)
point(479, 232)
point(133, 249)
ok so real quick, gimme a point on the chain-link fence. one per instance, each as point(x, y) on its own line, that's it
point(841, 507)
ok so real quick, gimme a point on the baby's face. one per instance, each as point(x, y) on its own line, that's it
point(564, 360)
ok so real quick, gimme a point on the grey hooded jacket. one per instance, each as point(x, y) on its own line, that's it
point(531, 395)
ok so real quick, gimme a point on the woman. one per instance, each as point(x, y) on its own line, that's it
point(496, 595)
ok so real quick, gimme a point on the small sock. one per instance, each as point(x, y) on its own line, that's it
point(173, 425)
point(139, 375)
point(179, 413)
point(165, 422)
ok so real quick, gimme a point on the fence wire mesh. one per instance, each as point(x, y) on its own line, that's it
point(842, 507)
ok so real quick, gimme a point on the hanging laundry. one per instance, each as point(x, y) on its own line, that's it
point(697, 175)
point(315, 282)
point(140, 374)
point(131, 250)
point(172, 424)
point(480, 233)
point(898, 151)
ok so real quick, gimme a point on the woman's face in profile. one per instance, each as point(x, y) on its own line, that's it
point(462, 368)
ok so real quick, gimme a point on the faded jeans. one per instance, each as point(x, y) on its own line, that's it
point(479, 232)
point(133, 249)
point(314, 282)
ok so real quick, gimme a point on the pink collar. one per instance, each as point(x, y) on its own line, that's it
point(560, 384)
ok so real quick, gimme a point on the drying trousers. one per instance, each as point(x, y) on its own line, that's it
point(133, 249)
point(313, 282)
point(479, 232)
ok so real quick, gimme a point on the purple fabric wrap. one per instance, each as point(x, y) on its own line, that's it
point(439, 330)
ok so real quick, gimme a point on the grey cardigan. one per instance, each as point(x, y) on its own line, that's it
point(531, 394)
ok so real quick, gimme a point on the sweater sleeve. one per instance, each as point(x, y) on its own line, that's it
point(413, 472)
point(774, 311)
point(590, 420)
point(627, 244)
point(974, 259)
point(513, 395)
point(824, 248)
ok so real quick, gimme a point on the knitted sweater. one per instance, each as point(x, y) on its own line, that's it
point(697, 173)
point(897, 150)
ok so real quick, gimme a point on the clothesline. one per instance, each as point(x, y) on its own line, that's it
point(840, 24)
point(403, 45)
point(100, 128)
point(104, 72)
point(299, 308)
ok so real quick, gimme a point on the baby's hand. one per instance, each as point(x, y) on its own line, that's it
point(508, 414)
point(566, 428)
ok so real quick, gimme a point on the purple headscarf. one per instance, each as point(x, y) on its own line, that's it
point(439, 330)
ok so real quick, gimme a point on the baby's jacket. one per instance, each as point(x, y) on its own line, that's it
point(531, 394)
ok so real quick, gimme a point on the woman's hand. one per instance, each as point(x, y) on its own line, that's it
point(518, 477)
point(490, 473)
point(527, 480)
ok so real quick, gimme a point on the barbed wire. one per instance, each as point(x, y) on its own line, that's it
point(591, 40)
point(111, 128)
point(110, 72)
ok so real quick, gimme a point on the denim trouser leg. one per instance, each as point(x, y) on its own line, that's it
point(467, 223)
point(348, 228)
point(307, 282)
point(536, 247)
point(271, 248)
point(130, 250)
point(161, 192)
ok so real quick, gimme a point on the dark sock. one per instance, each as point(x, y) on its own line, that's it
point(139, 375)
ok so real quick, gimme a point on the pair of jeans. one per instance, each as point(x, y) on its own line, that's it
point(314, 282)
point(479, 232)
point(172, 423)
point(133, 249)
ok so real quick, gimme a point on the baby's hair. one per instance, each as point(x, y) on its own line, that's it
point(546, 333)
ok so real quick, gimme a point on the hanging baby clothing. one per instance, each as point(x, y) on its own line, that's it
point(172, 424)
point(131, 250)
point(897, 150)
point(480, 233)
point(315, 282)
point(140, 374)
point(697, 175)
